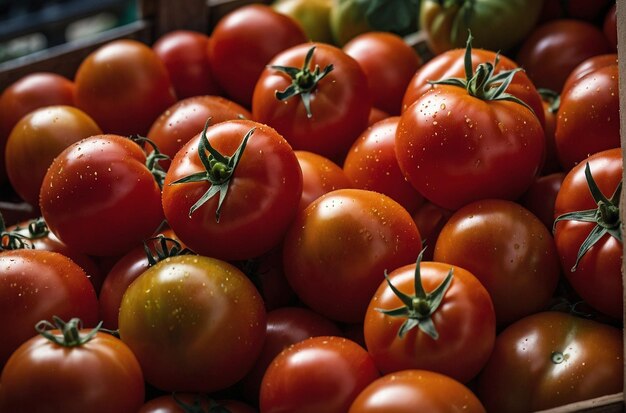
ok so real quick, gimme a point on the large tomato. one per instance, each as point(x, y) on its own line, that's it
point(550, 359)
point(124, 86)
point(316, 96)
point(259, 183)
point(71, 370)
point(195, 323)
point(99, 197)
point(337, 249)
point(319, 176)
point(588, 230)
point(588, 66)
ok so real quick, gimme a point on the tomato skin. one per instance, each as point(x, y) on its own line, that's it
point(597, 278)
point(465, 321)
point(185, 55)
point(37, 139)
point(340, 103)
point(320, 175)
point(200, 317)
point(101, 185)
point(456, 149)
point(521, 375)
point(430, 219)
point(609, 26)
point(336, 250)
point(508, 249)
point(371, 164)
point(541, 196)
point(588, 66)
point(244, 41)
point(124, 87)
point(264, 193)
point(416, 390)
point(34, 286)
point(389, 64)
point(319, 374)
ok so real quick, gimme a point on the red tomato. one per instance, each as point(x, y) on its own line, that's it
point(429, 219)
point(431, 316)
point(36, 285)
point(99, 197)
point(188, 402)
point(409, 391)
point(187, 117)
point(508, 249)
point(124, 86)
point(541, 196)
point(201, 318)
point(186, 56)
point(263, 191)
point(71, 370)
point(389, 64)
point(555, 48)
point(338, 247)
point(319, 176)
point(589, 66)
point(551, 359)
point(371, 164)
point(37, 139)
point(319, 374)
point(595, 273)
point(321, 106)
point(244, 41)
point(609, 26)
point(376, 115)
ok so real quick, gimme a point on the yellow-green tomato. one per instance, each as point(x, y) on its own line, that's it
point(313, 15)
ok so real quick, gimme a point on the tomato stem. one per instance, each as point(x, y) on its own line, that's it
point(165, 247)
point(153, 158)
point(70, 331)
point(12, 240)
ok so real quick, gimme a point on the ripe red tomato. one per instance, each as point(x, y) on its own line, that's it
point(319, 374)
point(409, 391)
point(321, 104)
point(508, 249)
point(99, 197)
point(185, 54)
point(124, 87)
point(71, 370)
point(337, 249)
point(541, 196)
point(371, 164)
point(37, 139)
point(189, 402)
point(609, 26)
point(592, 268)
point(429, 219)
point(589, 66)
point(244, 41)
point(196, 324)
point(263, 184)
point(389, 64)
point(320, 175)
point(551, 359)
point(431, 316)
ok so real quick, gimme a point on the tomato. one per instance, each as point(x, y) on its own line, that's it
point(186, 57)
point(541, 196)
point(320, 104)
point(285, 326)
point(200, 317)
point(554, 49)
point(313, 15)
point(409, 391)
point(348, 20)
point(189, 402)
point(124, 87)
point(496, 24)
point(590, 245)
point(460, 142)
point(260, 189)
point(337, 248)
point(35, 285)
point(550, 359)
point(99, 197)
point(431, 316)
point(56, 371)
point(244, 41)
point(376, 115)
point(37, 139)
point(389, 64)
point(371, 164)
point(551, 102)
point(576, 9)
point(319, 176)
point(187, 117)
point(508, 249)
point(319, 374)
point(430, 219)
point(609, 26)
point(588, 66)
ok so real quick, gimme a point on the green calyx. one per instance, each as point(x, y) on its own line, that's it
point(196, 406)
point(303, 80)
point(417, 309)
point(605, 216)
point(70, 332)
point(163, 247)
point(12, 240)
point(219, 170)
point(484, 84)
point(152, 159)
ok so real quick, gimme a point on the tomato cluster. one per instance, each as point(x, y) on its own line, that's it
point(303, 227)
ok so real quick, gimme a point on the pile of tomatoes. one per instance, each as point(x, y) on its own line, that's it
point(250, 221)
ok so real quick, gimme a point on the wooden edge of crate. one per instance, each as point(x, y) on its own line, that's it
point(612, 403)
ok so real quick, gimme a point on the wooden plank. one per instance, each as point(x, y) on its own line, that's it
point(613, 403)
point(168, 15)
